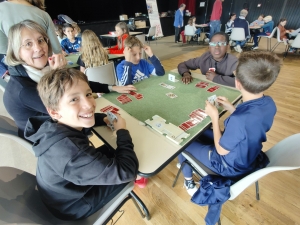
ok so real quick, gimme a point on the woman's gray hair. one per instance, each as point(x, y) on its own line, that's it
point(244, 13)
point(182, 5)
point(15, 41)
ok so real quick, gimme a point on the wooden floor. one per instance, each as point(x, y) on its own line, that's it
point(280, 191)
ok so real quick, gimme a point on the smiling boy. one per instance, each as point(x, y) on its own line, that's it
point(217, 57)
point(75, 179)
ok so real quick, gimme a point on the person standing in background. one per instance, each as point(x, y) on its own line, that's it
point(178, 23)
point(215, 18)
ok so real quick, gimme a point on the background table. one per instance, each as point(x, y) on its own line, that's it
point(74, 57)
point(154, 150)
point(108, 37)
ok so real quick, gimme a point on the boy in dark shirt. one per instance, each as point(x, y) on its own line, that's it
point(238, 151)
point(75, 179)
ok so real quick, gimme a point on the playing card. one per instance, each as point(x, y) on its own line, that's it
point(212, 99)
point(166, 86)
point(212, 69)
point(212, 89)
point(202, 84)
point(171, 95)
point(171, 77)
point(123, 99)
point(107, 108)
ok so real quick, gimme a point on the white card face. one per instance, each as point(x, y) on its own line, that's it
point(171, 77)
point(166, 86)
point(212, 99)
point(171, 95)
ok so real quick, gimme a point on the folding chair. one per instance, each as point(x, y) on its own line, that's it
point(105, 74)
point(283, 156)
point(294, 44)
point(278, 41)
point(151, 32)
point(21, 203)
point(189, 31)
point(269, 39)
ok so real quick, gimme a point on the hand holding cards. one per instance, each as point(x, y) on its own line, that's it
point(111, 117)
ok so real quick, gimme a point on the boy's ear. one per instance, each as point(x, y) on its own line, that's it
point(54, 114)
point(238, 84)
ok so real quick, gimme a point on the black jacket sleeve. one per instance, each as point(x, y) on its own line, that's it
point(91, 167)
point(98, 87)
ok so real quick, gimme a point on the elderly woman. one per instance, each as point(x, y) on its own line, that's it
point(28, 59)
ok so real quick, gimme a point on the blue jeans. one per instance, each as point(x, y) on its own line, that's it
point(198, 31)
point(255, 38)
point(214, 27)
point(200, 150)
point(241, 43)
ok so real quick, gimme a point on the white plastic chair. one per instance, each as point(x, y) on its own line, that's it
point(237, 34)
point(151, 32)
point(22, 204)
point(294, 44)
point(269, 38)
point(283, 156)
point(278, 41)
point(105, 74)
point(189, 32)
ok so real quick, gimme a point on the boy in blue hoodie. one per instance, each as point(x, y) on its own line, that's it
point(134, 69)
point(74, 178)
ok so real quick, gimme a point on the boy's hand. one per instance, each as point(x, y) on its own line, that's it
point(148, 50)
point(127, 54)
point(57, 61)
point(225, 104)
point(211, 111)
point(120, 123)
point(210, 75)
point(187, 78)
point(124, 89)
point(105, 119)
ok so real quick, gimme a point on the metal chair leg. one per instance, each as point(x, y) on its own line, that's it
point(179, 171)
point(219, 222)
point(141, 203)
point(257, 190)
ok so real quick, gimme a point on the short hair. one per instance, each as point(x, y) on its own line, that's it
point(244, 12)
point(231, 15)
point(182, 5)
point(267, 19)
point(262, 15)
point(54, 84)
point(257, 71)
point(15, 41)
point(132, 41)
point(38, 3)
point(222, 34)
point(282, 20)
point(67, 25)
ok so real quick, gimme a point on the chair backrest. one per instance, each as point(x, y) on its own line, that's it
point(9, 130)
point(151, 31)
point(105, 74)
point(272, 34)
point(237, 34)
point(3, 84)
point(21, 202)
point(283, 156)
point(278, 34)
point(189, 31)
point(296, 42)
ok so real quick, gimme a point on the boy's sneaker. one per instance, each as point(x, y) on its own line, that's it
point(206, 40)
point(190, 186)
point(254, 47)
point(232, 43)
point(238, 49)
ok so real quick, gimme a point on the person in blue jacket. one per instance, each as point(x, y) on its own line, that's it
point(178, 22)
point(134, 69)
point(267, 30)
point(238, 150)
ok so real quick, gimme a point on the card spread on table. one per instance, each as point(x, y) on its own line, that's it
point(212, 89)
point(196, 116)
point(138, 96)
point(171, 95)
point(166, 85)
point(110, 108)
point(123, 99)
point(202, 84)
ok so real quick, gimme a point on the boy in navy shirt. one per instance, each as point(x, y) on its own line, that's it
point(71, 44)
point(134, 69)
point(238, 151)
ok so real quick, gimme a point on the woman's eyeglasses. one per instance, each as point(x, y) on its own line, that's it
point(214, 44)
point(41, 42)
